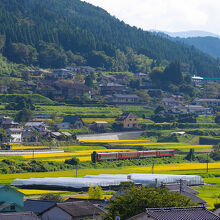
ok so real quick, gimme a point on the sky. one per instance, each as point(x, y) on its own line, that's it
point(166, 15)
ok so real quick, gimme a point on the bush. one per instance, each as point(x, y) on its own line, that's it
point(209, 140)
point(52, 197)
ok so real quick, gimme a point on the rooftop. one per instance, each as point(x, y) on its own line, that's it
point(80, 208)
point(182, 213)
point(38, 206)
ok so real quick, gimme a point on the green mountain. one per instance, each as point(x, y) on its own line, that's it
point(55, 33)
point(209, 45)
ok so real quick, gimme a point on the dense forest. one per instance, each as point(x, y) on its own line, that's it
point(209, 45)
point(53, 33)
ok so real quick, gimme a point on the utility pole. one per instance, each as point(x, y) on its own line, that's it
point(153, 168)
point(33, 154)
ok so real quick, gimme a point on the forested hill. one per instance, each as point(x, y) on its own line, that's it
point(55, 33)
point(209, 45)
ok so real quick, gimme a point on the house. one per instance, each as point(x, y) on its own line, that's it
point(198, 80)
point(172, 101)
point(14, 135)
point(197, 109)
point(176, 213)
point(11, 200)
point(71, 90)
point(6, 123)
point(18, 216)
point(112, 88)
point(98, 125)
point(62, 74)
point(207, 102)
point(36, 125)
point(29, 136)
point(37, 73)
point(38, 206)
point(128, 120)
point(73, 210)
point(71, 121)
point(124, 99)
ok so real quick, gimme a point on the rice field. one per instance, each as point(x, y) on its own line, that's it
point(90, 120)
point(31, 192)
point(152, 144)
point(29, 147)
point(210, 193)
point(86, 158)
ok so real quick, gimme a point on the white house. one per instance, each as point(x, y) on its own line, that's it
point(14, 135)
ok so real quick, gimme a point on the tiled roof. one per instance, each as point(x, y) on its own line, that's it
point(80, 208)
point(184, 213)
point(38, 206)
point(18, 216)
point(176, 188)
point(124, 116)
point(194, 198)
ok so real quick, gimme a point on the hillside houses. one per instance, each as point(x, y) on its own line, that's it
point(207, 102)
point(112, 88)
point(123, 99)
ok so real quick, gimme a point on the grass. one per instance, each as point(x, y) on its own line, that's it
point(90, 120)
point(210, 193)
point(81, 147)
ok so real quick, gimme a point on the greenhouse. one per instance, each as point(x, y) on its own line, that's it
point(105, 181)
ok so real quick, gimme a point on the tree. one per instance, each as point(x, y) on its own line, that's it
point(22, 53)
point(94, 157)
point(95, 192)
point(134, 83)
point(88, 81)
point(23, 116)
point(73, 161)
point(135, 200)
point(2, 134)
point(191, 155)
point(217, 119)
point(52, 197)
point(173, 74)
point(159, 109)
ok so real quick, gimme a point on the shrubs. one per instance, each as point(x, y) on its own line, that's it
point(209, 140)
point(14, 166)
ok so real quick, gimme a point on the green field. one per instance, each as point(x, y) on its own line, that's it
point(82, 111)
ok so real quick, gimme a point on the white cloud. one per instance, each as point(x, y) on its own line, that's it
point(169, 15)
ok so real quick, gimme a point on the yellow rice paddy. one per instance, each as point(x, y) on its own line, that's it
point(39, 192)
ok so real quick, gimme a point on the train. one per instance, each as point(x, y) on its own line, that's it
point(131, 155)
